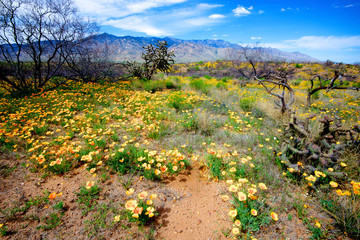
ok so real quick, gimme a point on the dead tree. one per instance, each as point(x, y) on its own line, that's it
point(328, 84)
point(254, 56)
point(278, 79)
point(33, 37)
point(89, 62)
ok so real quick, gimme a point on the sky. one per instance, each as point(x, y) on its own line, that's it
point(324, 29)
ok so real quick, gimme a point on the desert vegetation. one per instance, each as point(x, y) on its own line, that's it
point(104, 155)
point(232, 149)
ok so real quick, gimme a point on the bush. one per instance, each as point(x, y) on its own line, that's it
point(178, 101)
point(247, 104)
point(141, 210)
point(297, 82)
point(200, 85)
point(221, 85)
point(316, 95)
point(216, 166)
point(156, 58)
point(155, 85)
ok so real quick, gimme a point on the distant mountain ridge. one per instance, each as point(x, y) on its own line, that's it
point(129, 48)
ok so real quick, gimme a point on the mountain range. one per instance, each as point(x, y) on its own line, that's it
point(130, 48)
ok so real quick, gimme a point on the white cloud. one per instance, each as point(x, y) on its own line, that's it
point(256, 38)
point(142, 5)
point(137, 24)
point(216, 16)
point(250, 8)
point(347, 6)
point(208, 6)
point(283, 10)
point(144, 16)
point(105, 9)
point(319, 43)
point(241, 11)
point(197, 22)
point(261, 11)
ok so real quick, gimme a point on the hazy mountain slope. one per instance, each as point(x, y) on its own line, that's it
point(130, 48)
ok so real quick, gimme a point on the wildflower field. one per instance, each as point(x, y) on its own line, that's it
point(180, 157)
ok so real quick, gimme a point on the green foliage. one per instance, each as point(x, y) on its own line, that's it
point(156, 58)
point(317, 233)
point(10, 213)
point(216, 166)
point(225, 79)
point(190, 122)
point(247, 104)
point(87, 197)
point(61, 168)
point(178, 101)
point(5, 170)
point(170, 85)
point(300, 209)
point(51, 221)
point(155, 85)
point(126, 160)
point(59, 206)
point(159, 132)
point(6, 145)
point(346, 213)
point(99, 219)
point(221, 85)
point(3, 230)
point(316, 95)
point(297, 82)
point(41, 130)
point(248, 221)
point(143, 218)
point(200, 85)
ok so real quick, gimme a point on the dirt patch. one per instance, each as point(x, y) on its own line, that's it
point(197, 213)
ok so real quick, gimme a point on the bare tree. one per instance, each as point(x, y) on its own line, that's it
point(277, 78)
point(324, 83)
point(89, 62)
point(255, 57)
point(33, 38)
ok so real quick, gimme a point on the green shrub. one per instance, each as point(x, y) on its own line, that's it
point(200, 85)
point(170, 85)
point(190, 123)
point(221, 85)
point(153, 86)
point(248, 221)
point(247, 104)
point(6, 145)
point(178, 101)
point(142, 210)
point(316, 95)
point(216, 166)
point(87, 197)
point(126, 160)
point(297, 82)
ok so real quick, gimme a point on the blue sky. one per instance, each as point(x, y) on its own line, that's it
point(324, 29)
